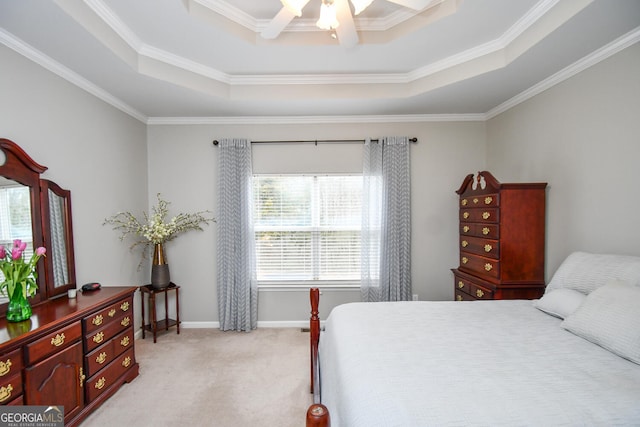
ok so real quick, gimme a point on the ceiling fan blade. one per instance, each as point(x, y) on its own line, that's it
point(412, 4)
point(346, 31)
point(277, 24)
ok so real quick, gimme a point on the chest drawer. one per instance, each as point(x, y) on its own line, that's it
point(107, 332)
point(53, 342)
point(107, 315)
point(100, 383)
point(10, 388)
point(483, 266)
point(487, 200)
point(488, 215)
point(485, 247)
point(488, 231)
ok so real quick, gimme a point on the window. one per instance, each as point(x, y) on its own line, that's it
point(307, 228)
point(15, 218)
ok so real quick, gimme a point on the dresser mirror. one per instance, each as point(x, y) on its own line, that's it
point(36, 211)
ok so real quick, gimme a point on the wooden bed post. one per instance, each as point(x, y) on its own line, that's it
point(314, 329)
point(317, 414)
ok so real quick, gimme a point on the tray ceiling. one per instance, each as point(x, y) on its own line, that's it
point(158, 60)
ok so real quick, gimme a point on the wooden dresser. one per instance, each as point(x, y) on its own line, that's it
point(72, 352)
point(502, 239)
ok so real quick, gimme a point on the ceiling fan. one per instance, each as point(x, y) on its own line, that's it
point(334, 15)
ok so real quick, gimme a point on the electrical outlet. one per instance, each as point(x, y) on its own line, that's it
point(415, 297)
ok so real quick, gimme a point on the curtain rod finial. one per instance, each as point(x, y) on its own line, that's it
point(215, 142)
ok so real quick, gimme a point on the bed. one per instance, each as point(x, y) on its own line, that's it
point(571, 358)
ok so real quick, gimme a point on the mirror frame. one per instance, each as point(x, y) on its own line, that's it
point(45, 186)
point(20, 167)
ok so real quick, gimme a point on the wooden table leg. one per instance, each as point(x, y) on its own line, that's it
point(154, 321)
point(178, 310)
point(142, 303)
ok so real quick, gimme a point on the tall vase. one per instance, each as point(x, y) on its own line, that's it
point(159, 268)
point(19, 308)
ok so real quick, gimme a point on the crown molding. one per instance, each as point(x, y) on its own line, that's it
point(262, 120)
point(72, 77)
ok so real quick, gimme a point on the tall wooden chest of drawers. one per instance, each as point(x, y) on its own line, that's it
point(502, 239)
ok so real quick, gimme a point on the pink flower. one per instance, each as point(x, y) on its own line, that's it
point(3, 252)
point(23, 246)
point(17, 243)
point(16, 253)
point(41, 251)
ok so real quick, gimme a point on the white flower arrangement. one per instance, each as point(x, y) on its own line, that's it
point(154, 229)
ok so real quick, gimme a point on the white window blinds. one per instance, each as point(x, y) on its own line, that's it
point(307, 227)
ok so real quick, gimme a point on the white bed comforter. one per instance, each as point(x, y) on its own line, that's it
point(489, 363)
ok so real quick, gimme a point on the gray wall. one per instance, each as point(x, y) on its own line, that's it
point(90, 148)
point(444, 154)
point(582, 136)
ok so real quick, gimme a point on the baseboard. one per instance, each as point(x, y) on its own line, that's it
point(261, 324)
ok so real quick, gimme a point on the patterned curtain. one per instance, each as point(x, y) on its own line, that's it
point(386, 221)
point(237, 285)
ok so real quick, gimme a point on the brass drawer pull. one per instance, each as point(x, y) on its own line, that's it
point(465, 215)
point(475, 200)
point(97, 320)
point(126, 362)
point(479, 293)
point(488, 200)
point(465, 243)
point(485, 230)
point(488, 267)
point(485, 215)
point(488, 248)
point(5, 367)
point(100, 383)
point(82, 377)
point(101, 358)
point(98, 338)
point(460, 284)
point(464, 202)
point(124, 341)
point(466, 228)
point(465, 260)
point(5, 392)
point(58, 340)
point(126, 321)
point(459, 297)
point(112, 312)
point(124, 306)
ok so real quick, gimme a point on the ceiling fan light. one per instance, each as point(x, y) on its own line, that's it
point(328, 19)
point(293, 6)
point(360, 5)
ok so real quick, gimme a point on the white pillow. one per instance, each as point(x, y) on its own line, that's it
point(560, 302)
point(610, 317)
point(586, 272)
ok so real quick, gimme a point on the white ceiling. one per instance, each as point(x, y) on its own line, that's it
point(163, 59)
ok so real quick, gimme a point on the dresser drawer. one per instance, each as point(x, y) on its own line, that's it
point(478, 292)
point(107, 315)
point(461, 296)
point(487, 200)
point(10, 388)
point(10, 363)
point(103, 355)
point(483, 266)
point(485, 247)
point(112, 328)
point(488, 215)
point(53, 342)
point(489, 231)
point(101, 382)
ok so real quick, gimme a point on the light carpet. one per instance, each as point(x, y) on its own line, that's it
point(205, 377)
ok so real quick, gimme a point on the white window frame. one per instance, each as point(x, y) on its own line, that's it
point(315, 227)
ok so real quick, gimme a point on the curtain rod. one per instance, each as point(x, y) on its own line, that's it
point(317, 141)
